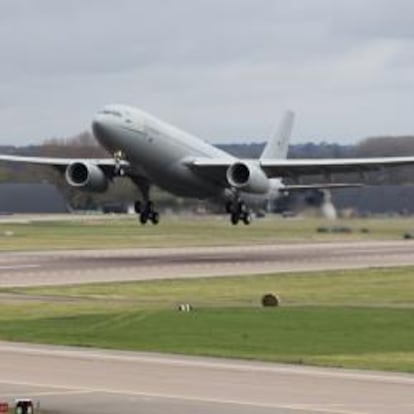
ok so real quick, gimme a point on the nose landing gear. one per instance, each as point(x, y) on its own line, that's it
point(119, 157)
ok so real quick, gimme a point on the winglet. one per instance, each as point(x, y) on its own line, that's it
point(278, 144)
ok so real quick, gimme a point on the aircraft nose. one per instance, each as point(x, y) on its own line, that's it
point(98, 128)
point(101, 131)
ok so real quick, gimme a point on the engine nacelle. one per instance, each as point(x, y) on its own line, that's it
point(247, 177)
point(87, 177)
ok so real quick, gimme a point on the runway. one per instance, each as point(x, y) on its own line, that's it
point(86, 266)
point(91, 381)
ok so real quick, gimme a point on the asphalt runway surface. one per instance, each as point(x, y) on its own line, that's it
point(86, 266)
point(92, 381)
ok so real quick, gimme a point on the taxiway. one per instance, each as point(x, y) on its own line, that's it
point(89, 381)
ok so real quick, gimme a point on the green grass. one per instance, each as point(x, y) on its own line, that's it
point(297, 335)
point(355, 318)
point(111, 232)
point(388, 287)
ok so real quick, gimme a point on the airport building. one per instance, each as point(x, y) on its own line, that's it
point(31, 198)
point(46, 198)
point(381, 199)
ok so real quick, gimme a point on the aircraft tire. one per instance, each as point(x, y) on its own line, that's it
point(155, 218)
point(143, 218)
point(247, 218)
point(234, 219)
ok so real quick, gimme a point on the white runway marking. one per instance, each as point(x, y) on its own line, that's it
point(56, 393)
point(307, 408)
point(20, 267)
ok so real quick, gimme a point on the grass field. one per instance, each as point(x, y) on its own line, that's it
point(110, 232)
point(358, 318)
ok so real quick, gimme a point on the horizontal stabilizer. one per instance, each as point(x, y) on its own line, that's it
point(326, 186)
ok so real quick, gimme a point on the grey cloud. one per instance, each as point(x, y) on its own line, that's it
point(223, 69)
point(86, 36)
point(371, 19)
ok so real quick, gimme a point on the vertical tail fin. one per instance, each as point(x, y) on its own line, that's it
point(278, 144)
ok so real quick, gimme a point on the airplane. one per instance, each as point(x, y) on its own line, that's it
point(152, 152)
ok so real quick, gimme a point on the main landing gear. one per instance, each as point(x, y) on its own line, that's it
point(238, 211)
point(147, 212)
point(145, 209)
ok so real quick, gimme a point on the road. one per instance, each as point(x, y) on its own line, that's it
point(85, 266)
point(90, 381)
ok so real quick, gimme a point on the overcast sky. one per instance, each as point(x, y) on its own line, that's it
point(222, 69)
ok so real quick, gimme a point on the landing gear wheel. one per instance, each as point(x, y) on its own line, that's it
point(147, 213)
point(239, 211)
point(155, 218)
point(234, 219)
point(247, 218)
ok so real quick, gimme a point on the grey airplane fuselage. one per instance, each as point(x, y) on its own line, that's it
point(158, 149)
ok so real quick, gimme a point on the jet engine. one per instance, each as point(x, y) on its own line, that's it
point(247, 177)
point(86, 176)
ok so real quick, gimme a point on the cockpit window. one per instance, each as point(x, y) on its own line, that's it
point(111, 112)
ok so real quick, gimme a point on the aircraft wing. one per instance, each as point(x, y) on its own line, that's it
point(303, 167)
point(295, 168)
point(108, 165)
point(56, 162)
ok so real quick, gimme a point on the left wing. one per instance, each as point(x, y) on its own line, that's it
point(302, 167)
point(288, 168)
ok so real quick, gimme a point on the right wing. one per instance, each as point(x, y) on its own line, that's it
point(56, 162)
